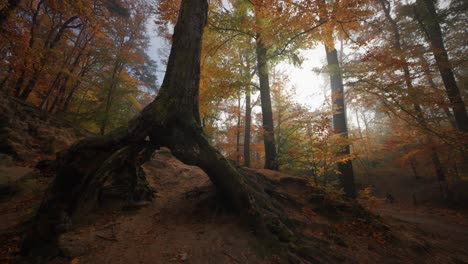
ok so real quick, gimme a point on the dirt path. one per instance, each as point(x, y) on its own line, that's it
point(445, 230)
point(186, 224)
point(183, 225)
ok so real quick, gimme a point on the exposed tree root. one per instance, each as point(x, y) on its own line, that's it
point(97, 170)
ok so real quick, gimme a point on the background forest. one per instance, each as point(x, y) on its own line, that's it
point(394, 118)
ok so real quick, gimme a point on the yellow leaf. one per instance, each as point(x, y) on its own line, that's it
point(75, 261)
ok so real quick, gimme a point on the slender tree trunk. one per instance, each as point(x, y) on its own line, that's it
point(267, 112)
point(365, 165)
point(248, 121)
point(51, 90)
point(414, 168)
point(110, 94)
point(46, 57)
point(5, 79)
point(58, 77)
point(58, 99)
point(248, 113)
point(73, 89)
point(20, 81)
point(30, 86)
point(428, 18)
point(238, 129)
point(83, 71)
point(339, 120)
point(428, 76)
point(439, 170)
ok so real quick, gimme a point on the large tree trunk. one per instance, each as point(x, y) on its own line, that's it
point(267, 112)
point(109, 167)
point(428, 19)
point(339, 120)
point(102, 168)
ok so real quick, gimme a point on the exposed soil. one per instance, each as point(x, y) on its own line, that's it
point(445, 230)
point(29, 134)
point(186, 224)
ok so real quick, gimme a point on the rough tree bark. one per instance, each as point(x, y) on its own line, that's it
point(339, 120)
point(267, 112)
point(107, 167)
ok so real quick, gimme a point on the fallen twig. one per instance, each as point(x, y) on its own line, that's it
point(107, 226)
point(113, 239)
point(233, 258)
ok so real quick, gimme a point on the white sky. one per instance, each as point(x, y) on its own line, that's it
point(310, 86)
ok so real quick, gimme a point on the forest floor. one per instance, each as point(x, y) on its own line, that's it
point(446, 229)
point(186, 224)
point(183, 224)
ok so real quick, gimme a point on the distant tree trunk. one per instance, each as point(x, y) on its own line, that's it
point(109, 167)
point(19, 84)
point(46, 56)
point(59, 98)
point(110, 94)
point(83, 71)
point(414, 169)
point(238, 129)
point(428, 76)
point(30, 86)
point(339, 120)
point(426, 14)
point(248, 121)
point(73, 89)
point(439, 170)
point(267, 112)
point(45, 102)
point(5, 79)
point(365, 165)
point(58, 77)
point(20, 81)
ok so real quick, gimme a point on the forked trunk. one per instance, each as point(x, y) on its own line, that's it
point(108, 167)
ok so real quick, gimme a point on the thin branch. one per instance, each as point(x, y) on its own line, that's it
point(230, 29)
point(282, 51)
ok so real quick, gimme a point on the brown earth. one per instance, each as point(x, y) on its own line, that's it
point(187, 224)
